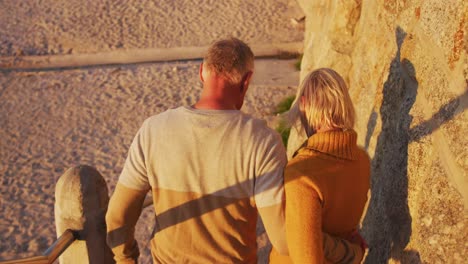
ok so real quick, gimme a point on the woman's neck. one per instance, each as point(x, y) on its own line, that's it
point(327, 129)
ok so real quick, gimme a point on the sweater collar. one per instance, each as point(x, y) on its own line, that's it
point(341, 144)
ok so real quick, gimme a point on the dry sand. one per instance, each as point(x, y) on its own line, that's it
point(52, 120)
point(61, 27)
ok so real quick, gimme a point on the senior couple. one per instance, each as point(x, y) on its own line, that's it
point(212, 170)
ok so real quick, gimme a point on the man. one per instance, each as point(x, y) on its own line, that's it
point(211, 170)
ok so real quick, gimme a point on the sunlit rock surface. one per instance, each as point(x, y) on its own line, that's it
point(405, 63)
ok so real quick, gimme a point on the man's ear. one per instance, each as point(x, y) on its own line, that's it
point(200, 72)
point(246, 81)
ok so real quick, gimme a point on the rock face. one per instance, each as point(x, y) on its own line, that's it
point(406, 65)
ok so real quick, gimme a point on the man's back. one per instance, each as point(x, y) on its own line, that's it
point(208, 170)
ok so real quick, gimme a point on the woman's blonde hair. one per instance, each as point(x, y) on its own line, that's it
point(326, 102)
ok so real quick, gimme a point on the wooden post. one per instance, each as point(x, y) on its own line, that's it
point(81, 200)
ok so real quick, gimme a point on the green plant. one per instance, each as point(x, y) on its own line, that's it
point(284, 105)
point(283, 129)
point(298, 63)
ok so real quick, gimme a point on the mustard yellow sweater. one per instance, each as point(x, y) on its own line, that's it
point(326, 189)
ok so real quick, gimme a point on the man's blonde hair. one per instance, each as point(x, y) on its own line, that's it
point(230, 58)
point(327, 102)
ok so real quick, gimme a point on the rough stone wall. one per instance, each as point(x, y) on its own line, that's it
point(406, 64)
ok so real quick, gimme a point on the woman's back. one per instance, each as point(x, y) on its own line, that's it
point(339, 171)
point(327, 181)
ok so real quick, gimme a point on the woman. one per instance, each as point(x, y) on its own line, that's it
point(327, 180)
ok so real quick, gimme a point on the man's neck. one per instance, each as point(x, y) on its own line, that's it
point(217, 94)
point(213, 104)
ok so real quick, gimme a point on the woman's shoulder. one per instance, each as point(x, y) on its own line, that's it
point(363, 156)
point(302, 171)
point(303, 165)
point(306, 158)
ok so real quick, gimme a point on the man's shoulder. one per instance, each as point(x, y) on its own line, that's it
point(259, 126)
point(159, 117)
point(260, 132)
point(248, 118)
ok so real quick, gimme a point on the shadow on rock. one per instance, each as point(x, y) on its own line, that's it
point(387, 224)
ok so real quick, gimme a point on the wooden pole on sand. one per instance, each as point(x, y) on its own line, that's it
point(81, 200)
point(135, 56)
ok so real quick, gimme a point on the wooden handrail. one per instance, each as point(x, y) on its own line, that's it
point(60, 245)
point(31, 260)
point(53, 252)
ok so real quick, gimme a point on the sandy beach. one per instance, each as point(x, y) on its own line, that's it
point(74, 27)
point(51, 120)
